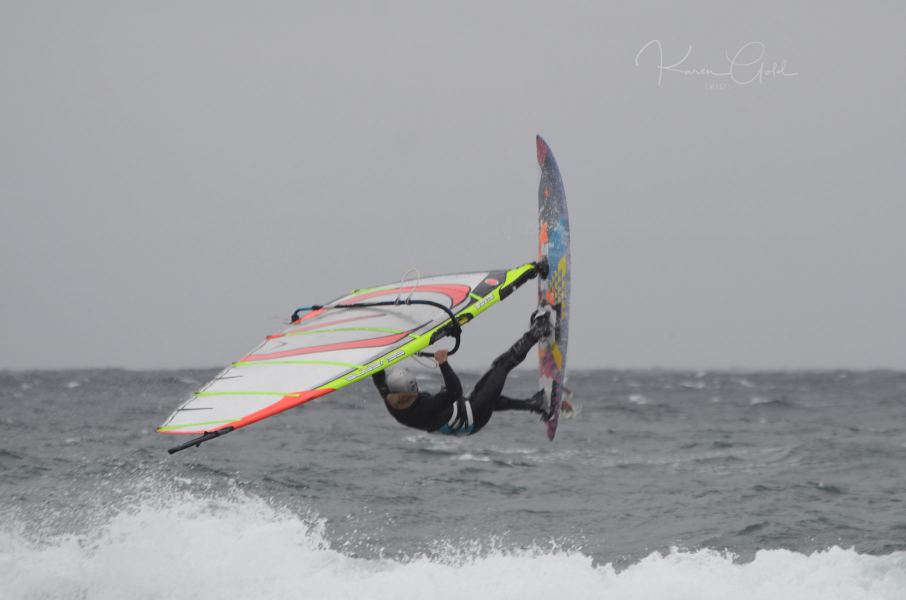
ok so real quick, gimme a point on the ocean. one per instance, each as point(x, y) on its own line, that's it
point(664, 485)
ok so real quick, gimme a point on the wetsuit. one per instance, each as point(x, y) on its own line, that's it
point(486, 396)
point(448, 412)
point(429, 412)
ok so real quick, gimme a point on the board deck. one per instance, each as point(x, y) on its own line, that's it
point(553, 291)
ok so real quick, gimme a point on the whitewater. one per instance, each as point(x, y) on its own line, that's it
point(666, 485)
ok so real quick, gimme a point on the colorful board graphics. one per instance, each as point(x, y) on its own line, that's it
point(553, 291)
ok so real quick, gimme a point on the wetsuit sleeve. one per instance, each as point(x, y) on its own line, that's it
point(380, 382)
point(451, 382)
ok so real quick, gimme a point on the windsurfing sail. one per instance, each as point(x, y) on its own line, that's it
point(342, 342)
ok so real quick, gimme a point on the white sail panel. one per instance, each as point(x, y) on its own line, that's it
point(322, 346)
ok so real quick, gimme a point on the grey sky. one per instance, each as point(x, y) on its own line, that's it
point(176, 176)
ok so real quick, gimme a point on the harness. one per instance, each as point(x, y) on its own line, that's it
point(462, 422)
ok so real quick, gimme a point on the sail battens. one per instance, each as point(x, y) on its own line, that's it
point(340, 343)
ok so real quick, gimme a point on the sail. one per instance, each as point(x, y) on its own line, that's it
point(332, 346)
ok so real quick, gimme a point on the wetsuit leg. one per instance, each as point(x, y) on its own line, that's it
point(533, 404)
point(488, 389)
point(517, 352)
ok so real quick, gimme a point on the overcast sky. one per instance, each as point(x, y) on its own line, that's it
point(175, 177)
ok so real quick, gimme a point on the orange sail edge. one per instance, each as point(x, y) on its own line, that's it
point(285, 403)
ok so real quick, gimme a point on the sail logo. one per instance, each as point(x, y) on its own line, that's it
point(376, 365)
point(484, 301)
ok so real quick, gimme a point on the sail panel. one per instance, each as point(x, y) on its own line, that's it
point(330, 347)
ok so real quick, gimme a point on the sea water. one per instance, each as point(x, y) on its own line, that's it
point(664, 485)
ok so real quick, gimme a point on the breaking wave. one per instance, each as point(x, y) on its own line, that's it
point(235, 545)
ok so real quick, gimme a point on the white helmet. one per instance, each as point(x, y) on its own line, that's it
point(400, 380)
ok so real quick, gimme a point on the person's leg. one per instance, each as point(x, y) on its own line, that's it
point(485, 394)
point(518, 351)
point(534, 404)
point(488, 389)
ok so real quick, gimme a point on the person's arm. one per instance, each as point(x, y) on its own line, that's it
point(380, 382)
point(451, 381)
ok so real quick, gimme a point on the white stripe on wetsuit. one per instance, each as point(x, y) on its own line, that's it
point(469, 413)
point(470, 419)
point(452, 420)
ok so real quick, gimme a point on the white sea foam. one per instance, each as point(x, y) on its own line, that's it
point(756, 400)
point(472, 457)
point(639, 399)
point(693, 385)
point(241, 547)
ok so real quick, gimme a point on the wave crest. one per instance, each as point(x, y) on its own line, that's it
point(237, 545)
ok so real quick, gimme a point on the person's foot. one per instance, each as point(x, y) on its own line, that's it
point(539, 405)
point(541, 324)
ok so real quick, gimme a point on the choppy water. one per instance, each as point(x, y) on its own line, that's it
point(665, 485)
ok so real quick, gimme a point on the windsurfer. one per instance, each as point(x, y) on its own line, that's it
point(447, 411)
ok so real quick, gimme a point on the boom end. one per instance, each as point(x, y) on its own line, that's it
point(209, 435)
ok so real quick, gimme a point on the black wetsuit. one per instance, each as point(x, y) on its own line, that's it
point(448, 412)
point(429, 412)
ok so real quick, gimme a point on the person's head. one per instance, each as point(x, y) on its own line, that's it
point(401, 381)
